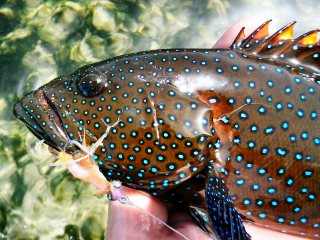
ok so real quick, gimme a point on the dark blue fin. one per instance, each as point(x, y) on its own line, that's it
point(224, 216)
point(203, 220)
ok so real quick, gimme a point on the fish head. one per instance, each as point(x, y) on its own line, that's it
point(148, 126)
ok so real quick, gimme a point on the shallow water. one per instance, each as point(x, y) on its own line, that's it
point(40, 40)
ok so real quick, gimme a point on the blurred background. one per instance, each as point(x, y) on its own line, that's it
point(40, 40)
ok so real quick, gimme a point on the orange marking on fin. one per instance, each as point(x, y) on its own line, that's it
point(286, 33)
point(263, 31)
point(309, 39)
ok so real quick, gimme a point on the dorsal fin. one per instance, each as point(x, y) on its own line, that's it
point(301, 55)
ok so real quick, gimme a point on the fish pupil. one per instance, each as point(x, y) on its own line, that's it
point(91, 84)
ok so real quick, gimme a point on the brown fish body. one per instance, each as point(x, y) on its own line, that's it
point(247, 124)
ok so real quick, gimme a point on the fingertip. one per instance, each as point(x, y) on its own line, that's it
point(229, 36)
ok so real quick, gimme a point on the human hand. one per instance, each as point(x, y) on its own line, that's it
point(131, 222)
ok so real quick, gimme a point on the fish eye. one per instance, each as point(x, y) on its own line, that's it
point(91, 84)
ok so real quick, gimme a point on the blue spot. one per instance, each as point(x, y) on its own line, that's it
point(270, 83)
point(235, 68)
point(313, 115)
point(289, 199)
point(187, 70)
point(284, 125)
point(239, 158)
point(240, 182)
point(290, 181)
point(297, 209)
point(154, 169)
point(281, 171)
point(231, 101)
point(303, 220)
point(298, 156)
point(250, 68)
point(243, 115)
point(255, 187)
point(236, 84)
point(254, 128)
point(311, 196)
point(271, 190)
point(300, 113)
point(281, 151)
point(170, 69)
point(182, 175)
point(307, 173)
point(219, 70)
point(293, 138)
point(269, 130)
point(279, 106)
point(288, 90)
point(264, 150)
point(260, 202)
point(252, 84)
point(304, 135)
point(262, 171)
point(251, 144)
point(262, 215)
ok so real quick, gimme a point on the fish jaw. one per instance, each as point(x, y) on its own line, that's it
point(39, 114)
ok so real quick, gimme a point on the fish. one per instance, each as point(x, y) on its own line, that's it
point(229, 135)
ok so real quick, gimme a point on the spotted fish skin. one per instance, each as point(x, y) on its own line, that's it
point(236, 117)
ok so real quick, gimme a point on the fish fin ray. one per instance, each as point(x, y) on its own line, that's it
point(203, 220)
point(300, 55)
point(224, 216)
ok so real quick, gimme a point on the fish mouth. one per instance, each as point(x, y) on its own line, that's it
point(42, 118)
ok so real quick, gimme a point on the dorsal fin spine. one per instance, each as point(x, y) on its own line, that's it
point(283, 49)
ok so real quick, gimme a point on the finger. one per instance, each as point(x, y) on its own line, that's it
point(229, 36)
point(258, 233)
point(126, 221)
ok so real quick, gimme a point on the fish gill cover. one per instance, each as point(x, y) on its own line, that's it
point(40, 40)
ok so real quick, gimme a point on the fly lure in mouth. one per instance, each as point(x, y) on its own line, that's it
point(240, 123)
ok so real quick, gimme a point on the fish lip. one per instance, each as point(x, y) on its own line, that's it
point(39, 132)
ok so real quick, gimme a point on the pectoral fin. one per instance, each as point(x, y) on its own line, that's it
point(224, 217)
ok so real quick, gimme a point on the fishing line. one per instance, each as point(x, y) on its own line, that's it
point(123, 199)
point(226, 115)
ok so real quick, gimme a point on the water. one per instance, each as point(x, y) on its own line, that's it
point(40, 40)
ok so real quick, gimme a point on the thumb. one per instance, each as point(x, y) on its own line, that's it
point(127, 221)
